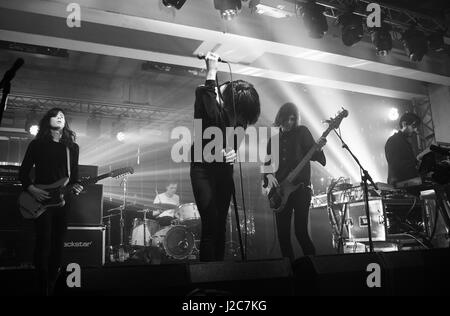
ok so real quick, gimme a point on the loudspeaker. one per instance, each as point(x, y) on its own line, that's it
point(86, 171)
point(85, 246)
point(10, 217)
point(269, 277)
point(86, 209)
point(401, 273)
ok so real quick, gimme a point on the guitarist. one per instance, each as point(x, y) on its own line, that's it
point(48, 154)
point(294, 143)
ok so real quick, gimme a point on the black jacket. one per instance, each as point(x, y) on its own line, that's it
point(402, 162)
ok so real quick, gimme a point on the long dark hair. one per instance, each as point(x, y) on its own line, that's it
point(44, 134)
point(285, 112)
point(246, 100)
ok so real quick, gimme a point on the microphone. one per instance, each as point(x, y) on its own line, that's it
point(9, 75)
point(203, 56)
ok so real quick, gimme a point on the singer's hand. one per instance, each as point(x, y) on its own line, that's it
point(212, 64)
point(230, 157)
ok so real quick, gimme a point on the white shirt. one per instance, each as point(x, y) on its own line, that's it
point(164, 199)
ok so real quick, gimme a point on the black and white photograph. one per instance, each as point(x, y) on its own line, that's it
point(224, 152)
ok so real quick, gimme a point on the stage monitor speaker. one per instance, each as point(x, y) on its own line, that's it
point(84, 246)
point(401, 273)
point(263, 277)
point(86, 209)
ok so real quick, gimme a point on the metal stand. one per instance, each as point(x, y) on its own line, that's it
point(365, 178)
point(5, 93)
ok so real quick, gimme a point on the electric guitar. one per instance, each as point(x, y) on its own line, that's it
point(30, 208)
point(278, 196)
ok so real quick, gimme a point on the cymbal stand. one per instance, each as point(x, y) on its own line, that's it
point(122, 221)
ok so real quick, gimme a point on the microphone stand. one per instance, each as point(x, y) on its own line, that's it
point(5, 93)
point(365, 177)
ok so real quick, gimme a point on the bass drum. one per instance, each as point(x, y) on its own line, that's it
point(177, 241)
point(137, 234)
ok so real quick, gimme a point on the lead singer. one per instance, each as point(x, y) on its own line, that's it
point(212, 182)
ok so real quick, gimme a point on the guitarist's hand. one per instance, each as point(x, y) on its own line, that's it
point(77, 188)
point(322, 141)
point(39, 194)
point(272, 182)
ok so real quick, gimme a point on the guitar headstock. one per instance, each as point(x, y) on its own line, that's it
point(121, 172)
point(335, 122)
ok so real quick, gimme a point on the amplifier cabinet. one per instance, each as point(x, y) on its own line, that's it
point(86, 209)
point(84, 246)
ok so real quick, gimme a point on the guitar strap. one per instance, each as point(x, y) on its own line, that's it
point(68, 162)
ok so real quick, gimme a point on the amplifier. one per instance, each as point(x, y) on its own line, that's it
point(358, 224)
point(87, 171)
point(86, 209)
point(84, 246)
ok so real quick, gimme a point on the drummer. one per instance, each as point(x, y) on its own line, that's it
point(165, 215)
point(168, 197)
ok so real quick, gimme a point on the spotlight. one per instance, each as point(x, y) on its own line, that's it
point(393, 114)
point(314, 19)
point(33, 130)
point(351, 27)
point(174, 3)
point(32, 124)
point(436, 42)
point(120, 136)
point(415, 43)
point(381, 39)
point(228, 8)
point(118, 129)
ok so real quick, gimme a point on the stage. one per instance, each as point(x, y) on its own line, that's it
point(400, 273)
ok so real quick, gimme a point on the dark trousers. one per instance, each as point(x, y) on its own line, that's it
point(299, 204)
point(51, 228)
point(212, 186)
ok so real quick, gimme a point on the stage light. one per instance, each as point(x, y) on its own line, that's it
point(120, 136)
point(34, 129)
point(393, 114)
point(177, 4)
point(415, 43)
point(119, 129)
point(228, 8)
point(32, 124)
point(351, 28)
point(381, 39)
point(436, 42)
point(314, 19)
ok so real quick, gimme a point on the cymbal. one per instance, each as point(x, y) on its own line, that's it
point(162, 206)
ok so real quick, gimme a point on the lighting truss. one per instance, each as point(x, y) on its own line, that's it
point(397, 17)
point(134, 112)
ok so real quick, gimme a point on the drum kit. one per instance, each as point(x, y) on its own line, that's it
point(165, 231)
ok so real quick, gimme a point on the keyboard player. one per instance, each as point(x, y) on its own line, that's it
point(400, 156)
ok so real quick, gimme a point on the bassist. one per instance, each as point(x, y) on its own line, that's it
point(294, 143)
point(51, 152)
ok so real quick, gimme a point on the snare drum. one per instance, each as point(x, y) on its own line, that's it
point(137, 234)
point(176, 241)
point(188, 215)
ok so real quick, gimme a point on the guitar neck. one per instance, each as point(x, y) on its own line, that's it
point(95, 179)
point(294, 173)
